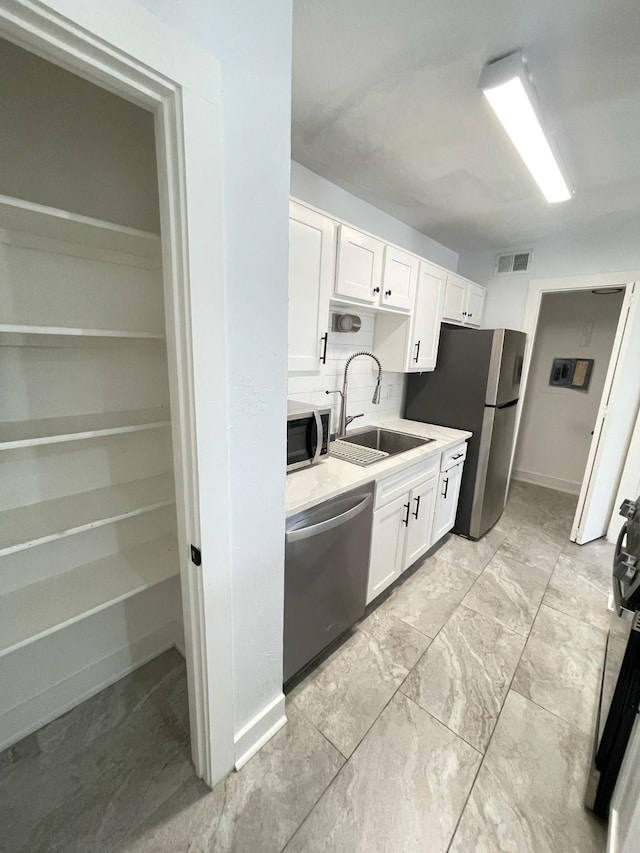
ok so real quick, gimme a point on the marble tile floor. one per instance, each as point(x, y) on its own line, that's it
point(455, 717)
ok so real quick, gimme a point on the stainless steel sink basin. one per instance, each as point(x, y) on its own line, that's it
point(386, 440)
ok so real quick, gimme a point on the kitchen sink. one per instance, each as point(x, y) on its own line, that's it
point(385, 440)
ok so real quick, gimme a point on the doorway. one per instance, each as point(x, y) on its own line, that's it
point(576, 331)
point(619, 400)
point(128, 56)
point(89, 557)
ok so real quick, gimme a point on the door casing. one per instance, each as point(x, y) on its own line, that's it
point(128, 51)
point(537, 289)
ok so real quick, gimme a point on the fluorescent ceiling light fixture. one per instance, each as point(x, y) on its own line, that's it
point(506, 86)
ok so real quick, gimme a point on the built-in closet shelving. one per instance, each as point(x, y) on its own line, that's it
point(28, 433)
point(38, 220)
point(33, 612)
point(34, 524)
point(87, 499)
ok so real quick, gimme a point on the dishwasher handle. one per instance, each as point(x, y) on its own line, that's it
point(323, 526)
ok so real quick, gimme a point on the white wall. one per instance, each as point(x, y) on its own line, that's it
point(72, 145)
point(555, 432)
point(363, 374)
point(608, 247)
point(315, 190)
point(252, 41)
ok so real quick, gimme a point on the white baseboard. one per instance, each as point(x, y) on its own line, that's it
point(259, 730)
point(29, 716)
point(176, 634)
point(549, 482)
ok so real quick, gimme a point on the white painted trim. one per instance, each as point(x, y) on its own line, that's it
point(259, 730)
point(629, 482)
point(549, 482)
point(122, 30)
point(583, 529)
point(56, 700)
point(127, 50)
point(537, 289)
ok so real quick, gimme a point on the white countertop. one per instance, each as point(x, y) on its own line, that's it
point(310, 486)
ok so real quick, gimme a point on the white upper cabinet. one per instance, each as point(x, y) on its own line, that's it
point(463, 301)
point(329, 261)
point(427, 316)
point(410, 344)
point(475, 304)
point(312, 244)
point(455, 299)
point(399, 279)
point(360, 264)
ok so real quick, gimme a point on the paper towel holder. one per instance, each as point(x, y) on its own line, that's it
point(345, 323)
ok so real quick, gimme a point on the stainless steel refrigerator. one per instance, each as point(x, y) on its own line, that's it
point(475, 386)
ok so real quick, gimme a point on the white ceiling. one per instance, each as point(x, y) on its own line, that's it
point(386, 104)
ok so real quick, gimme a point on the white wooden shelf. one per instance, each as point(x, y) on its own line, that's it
point(28, 526)
point(33, 612)
point(13, 334)
point(19, 215)
point(14, 434)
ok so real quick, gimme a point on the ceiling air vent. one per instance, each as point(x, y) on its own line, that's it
point(513, 262)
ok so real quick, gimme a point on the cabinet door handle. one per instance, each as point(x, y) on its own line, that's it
point(376, 290)
point(387, 293)
point(405, 521)
point(417, 352)
point(457, 456)
point(417, 509)
point(323, 357)
point(464, 313)
point(469, 315)
point(446, 488)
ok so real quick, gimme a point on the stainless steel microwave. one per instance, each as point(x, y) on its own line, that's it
point(308, 431)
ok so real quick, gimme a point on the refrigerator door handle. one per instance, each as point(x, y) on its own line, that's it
point(517, 370)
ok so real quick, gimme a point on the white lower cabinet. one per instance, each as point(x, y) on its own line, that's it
point(414, 508)
point(418, 536)
point(403, 526)
point(446, 505)
point(387, 545)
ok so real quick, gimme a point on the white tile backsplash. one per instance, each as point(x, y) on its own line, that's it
point(362, 378)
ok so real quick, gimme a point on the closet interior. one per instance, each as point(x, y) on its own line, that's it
point(89, 568)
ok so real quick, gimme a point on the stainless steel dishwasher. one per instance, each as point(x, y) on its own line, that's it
point(326, 571)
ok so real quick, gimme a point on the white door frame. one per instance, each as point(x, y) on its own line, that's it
point(629, 482)
point(122, 47)
point(537, 289)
